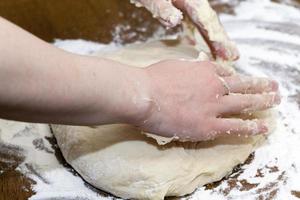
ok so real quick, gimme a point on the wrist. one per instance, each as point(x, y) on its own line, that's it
point(120, 94)
point(110, 92)
point(137, 86)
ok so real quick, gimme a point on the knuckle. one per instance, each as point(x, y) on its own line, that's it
point(209, 64)
point(248, 102)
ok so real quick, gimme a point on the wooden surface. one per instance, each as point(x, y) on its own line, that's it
point(71, 19)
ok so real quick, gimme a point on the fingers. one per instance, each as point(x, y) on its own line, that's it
point(239, 103)
point(208, 23)
point(202, 15)
point(163, 10)
point(250, 85)
point(221, 71)
point(238, 127)
point(224, 50)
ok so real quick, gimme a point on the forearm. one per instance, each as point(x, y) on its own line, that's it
point(41, 83)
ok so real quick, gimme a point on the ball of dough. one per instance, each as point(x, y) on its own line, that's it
point(120, 160)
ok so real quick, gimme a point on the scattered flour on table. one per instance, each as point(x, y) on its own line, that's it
point(268, 37)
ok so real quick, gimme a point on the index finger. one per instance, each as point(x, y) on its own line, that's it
point(210, 27)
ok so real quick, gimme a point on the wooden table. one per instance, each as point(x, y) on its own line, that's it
point(72, 19)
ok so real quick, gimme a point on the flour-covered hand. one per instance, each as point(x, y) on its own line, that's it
point(204, 18)
point(190, 100)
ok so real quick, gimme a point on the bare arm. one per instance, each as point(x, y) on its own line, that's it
point(41, 83)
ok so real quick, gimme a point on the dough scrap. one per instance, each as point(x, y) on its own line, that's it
point(120, 160)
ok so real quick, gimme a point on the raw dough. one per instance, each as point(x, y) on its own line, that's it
point(122, 161)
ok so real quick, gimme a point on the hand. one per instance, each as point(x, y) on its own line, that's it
point(204, 18)
point(189, 100)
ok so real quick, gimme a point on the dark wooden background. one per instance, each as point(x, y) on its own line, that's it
point(94, 20)
point(72, 19)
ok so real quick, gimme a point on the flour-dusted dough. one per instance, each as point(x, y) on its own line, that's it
point(122, 161)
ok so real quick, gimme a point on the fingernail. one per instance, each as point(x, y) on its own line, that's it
point(264, 129)
point(274, 85)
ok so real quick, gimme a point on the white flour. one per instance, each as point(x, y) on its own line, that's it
point(268, 37)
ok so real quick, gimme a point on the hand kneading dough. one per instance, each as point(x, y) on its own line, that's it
point(122, 161)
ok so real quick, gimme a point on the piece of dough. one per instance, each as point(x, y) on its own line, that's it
point(122, 161)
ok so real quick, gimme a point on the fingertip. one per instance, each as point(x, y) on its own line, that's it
point(274, 85)
point(261, 130)
point(264, 129)
point(255, 127)
point(277, 99)
point(171, 20)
